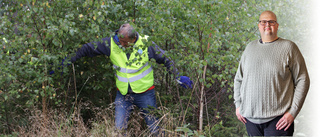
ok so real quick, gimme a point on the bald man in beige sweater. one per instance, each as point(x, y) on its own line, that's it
point(271, 83)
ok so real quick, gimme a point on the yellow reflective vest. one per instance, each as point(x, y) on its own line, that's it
point(136, 71)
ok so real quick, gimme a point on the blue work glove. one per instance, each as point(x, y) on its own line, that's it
point(62, 65)
point(51, 72)
point(185, 81)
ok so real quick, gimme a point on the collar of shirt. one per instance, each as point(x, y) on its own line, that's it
point(260, 40)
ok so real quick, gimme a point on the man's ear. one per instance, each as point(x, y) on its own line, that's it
point(134, 39)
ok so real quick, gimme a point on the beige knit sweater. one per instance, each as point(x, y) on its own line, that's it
point(272, 78)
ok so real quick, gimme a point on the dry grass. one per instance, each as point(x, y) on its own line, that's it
point(68, 123)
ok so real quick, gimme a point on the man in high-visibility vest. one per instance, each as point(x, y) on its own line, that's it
point(134, 79)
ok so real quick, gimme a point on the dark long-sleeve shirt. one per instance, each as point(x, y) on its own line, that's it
point(103, 48)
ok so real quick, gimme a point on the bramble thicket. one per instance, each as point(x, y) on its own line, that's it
point(204, 38)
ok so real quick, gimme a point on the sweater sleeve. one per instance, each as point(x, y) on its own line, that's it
point(157, 53)
point(237, 85)
point(93, 49)
point(301, 80)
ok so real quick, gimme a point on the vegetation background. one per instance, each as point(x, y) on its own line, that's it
point(204, 38)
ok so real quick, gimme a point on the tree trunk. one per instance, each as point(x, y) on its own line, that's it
point(201, 98)
point(44, 99)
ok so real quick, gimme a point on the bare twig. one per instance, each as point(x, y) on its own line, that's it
point(185, 113)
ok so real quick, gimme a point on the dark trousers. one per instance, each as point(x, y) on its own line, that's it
point(268, 129)
point(124, 106)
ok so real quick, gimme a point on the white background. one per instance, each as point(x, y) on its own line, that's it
point(307, 123)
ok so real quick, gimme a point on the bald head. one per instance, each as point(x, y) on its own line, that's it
point(268, 26)
point(268, 14)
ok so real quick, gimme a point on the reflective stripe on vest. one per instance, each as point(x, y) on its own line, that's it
point(124, 70)
point(135, 78)
point(138, 75)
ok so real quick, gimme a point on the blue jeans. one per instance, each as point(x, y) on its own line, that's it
point(124, 105)
point(268, 129)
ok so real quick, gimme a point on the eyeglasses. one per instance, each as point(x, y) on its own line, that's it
point(264, 22)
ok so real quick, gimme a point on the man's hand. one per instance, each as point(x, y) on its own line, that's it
point(240, 117)
point(185, 81)
point(285, 122)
